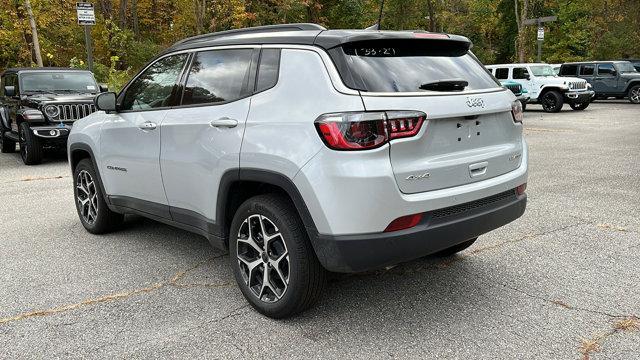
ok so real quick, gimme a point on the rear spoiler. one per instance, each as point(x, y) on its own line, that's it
point(329, 40)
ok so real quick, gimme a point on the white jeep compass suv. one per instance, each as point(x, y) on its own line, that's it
point(303, 150)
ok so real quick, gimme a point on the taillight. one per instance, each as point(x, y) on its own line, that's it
point(367, 130)
point(405, 222)
point(516, 111)
point(521, 189)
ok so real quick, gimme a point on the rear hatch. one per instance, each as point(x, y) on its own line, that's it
point(469, 134)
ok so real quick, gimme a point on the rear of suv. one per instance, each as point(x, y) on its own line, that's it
point(303, 150)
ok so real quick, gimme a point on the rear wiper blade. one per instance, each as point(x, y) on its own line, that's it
point(446, 85)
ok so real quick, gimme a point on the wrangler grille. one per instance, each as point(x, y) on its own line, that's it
point(72, 112)
point(577, 85)
point(515, 88)
point(462, 208)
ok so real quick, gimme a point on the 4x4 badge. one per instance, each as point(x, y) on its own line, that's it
point(475, 102)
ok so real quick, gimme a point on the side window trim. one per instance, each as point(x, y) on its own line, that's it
point(247, 88)
point(120, 96)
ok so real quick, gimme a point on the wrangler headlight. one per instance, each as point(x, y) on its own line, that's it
point(52, 111)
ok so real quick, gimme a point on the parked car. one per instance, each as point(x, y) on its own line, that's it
point(545, 87)
point(304, 150)
point(38, 107)
point(516, 88)
point(617, 79)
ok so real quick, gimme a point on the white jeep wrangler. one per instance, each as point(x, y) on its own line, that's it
point(545, 87)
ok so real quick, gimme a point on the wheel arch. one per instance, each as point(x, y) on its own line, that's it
point(79, 152)
point(546, 89)
point(238, 185)
point(630, 85)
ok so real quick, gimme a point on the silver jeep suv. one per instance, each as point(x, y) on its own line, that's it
point(303, 150)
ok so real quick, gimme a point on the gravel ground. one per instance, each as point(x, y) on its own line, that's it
point(561, 282)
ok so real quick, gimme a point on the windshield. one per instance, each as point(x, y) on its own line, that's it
point(415, 66)
point(625, 67)
point(542, 70)
point(80, 82)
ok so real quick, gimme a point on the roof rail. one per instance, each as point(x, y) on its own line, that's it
point(255, 29)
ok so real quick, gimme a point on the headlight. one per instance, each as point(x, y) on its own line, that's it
point(52, 111)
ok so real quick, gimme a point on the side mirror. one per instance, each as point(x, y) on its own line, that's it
point(527, 76)
point(614, 73)
point(103, 87)
point(106, 102)
point(9, 91)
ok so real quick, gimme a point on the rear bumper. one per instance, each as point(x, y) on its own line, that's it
point(439, 230)
point(579, 96)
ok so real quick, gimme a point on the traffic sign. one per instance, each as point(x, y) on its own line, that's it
point(86, 13)
point(541, 33)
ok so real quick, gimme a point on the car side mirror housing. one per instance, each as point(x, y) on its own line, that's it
point(10, 91)
point(528, 77)
point(106, 102)
point(103, 87)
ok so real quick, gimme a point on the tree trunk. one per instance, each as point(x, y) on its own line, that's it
point(34, 33)
point(521, 40)
point(123, 14)
point(134, 18)
point(432, 16)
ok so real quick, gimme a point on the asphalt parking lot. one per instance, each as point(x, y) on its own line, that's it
point(561, 282)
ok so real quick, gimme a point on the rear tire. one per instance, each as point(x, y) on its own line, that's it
point(552, 101)
point(30, 146)
point(579, 106)
point(634, 94)
point(295, 278)
point(456, 249)
point(92, 208)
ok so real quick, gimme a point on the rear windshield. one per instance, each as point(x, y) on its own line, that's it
point(407, 65)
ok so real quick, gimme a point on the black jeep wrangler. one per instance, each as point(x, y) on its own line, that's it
point(617, 79)
point(39, 105)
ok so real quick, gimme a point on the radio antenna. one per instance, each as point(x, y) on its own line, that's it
point(380, 15)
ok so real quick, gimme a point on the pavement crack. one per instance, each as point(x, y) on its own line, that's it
point(37, 178)
point(173, 281)
point(594, 344)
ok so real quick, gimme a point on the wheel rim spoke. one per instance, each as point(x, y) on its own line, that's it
point(263, 258)
point(87, 197)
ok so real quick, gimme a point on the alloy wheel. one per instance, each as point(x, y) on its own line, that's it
point(549, 102)
point(635, 96)
point(87, 197)
point(263, 258)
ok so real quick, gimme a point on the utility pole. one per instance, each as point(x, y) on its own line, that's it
point(540, 21)
point(34, 33)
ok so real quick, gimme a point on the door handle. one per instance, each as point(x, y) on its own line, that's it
point(148, 125)
point(224, 122)
point(478, 169)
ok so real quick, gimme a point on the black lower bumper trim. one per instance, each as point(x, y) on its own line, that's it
point(356, 253)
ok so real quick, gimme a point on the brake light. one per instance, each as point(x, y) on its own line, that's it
point(367, 130)
point(521, 189)
point(426, 35)
point(405, 222)
point(516, 111)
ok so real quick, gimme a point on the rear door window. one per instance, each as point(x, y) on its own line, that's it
point(268, 69)
point(587, 70)
point(218, 76)
point(502, 73)
point(407, 65)
point(606, 69)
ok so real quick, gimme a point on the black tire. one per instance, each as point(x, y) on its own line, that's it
point(552, 101)
point(456, 249)
point(30, 146)
point(104, 220)
point(634, 94)
point(579, 106)
point(305, 275)
point(524, 105)
point(6, 145)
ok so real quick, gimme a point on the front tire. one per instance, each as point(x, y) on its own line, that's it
point(579, 106)
point(95, 215)
point(524, 105)
point(552, 101)
point(30, 146)
point(272, 258)
point(634, 94)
